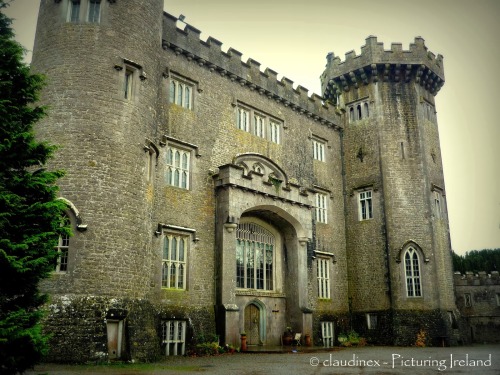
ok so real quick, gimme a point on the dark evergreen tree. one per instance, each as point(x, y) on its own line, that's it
point(30, 214)
point(477, 260)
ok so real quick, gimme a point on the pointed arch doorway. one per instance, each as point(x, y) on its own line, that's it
point(252, 324)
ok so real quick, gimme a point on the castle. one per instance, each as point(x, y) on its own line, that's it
point(207, 196)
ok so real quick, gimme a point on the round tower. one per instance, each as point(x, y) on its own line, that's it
point(398, 247)
point(101, 60)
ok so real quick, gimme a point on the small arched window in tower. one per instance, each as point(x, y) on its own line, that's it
point(412, 272)
point(351, 114)
point(367, 111)
point(359, 112)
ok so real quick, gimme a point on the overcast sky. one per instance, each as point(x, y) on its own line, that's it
point(294, 37)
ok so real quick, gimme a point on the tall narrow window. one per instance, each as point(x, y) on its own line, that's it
point(318, 150)
point(254, 257)
point(359, 112)
point(94, 11)
point(259, 126)
point(181, 92)
point(127, 83)
point(62, 249)
point(321, 208)
point(327, 334)
point(243, 119)
point(174, 261)
point(437, 204)
point(178, 167)
point(274, 128)
point(74, 11)
point(412, 271)
point(323, 276)
point(365, 205)
point(174, 336)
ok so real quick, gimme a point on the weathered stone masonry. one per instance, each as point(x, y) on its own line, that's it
point(218, 199)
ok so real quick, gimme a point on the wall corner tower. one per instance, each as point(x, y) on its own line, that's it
point(101, 60)
point(398, 245)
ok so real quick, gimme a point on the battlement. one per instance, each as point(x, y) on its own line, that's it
point(481, 278)
point(248, 73)
point(377, 64)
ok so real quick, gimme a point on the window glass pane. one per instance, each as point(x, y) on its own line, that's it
point(173, 251)
point(180, 88)
point(181, 250)
point(250, 264)
point(254, 257)
point(166, 249)
point(180, 283)
point(172, 91)
point(187, 101)
point(240, 264)
point(74, 13)
point(94, 10)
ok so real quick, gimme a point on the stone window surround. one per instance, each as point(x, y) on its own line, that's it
point(178, 244)
point(327, 193)
point(414, 274)
point(319, 147)
point(85, 9)
point(175, 340)
point(189, 233)
point(438, 197)
point(323, 276)
point(169, 74)
point(269, 121)
point(327, 333)
point(152, 154)
point(363, 196)
point(358, 109)
point(176, 143)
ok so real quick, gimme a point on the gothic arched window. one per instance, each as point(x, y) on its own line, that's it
point(412, 272)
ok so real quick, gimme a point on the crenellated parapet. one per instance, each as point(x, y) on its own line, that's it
point(209, 54)
point(375, 64)
point(476, 279)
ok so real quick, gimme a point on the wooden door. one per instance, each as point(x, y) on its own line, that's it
point(252, 324)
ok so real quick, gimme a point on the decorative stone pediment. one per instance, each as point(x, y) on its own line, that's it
point(253, 163)
point(257, 174)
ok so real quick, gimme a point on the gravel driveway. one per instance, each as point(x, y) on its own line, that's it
point(478, 359)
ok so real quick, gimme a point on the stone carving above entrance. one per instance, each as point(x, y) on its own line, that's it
point(253, 163)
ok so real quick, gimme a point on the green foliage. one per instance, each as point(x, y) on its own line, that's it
point(30, 215)
point(351, 338)
point(477, 260)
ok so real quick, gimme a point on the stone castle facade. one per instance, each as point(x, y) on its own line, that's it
point(207, 196)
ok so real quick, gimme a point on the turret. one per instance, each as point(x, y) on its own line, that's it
point(101, 59)
point(398, 246)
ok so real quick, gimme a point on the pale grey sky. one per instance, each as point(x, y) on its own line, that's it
point(294, 37)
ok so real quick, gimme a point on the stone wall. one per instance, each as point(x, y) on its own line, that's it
point(478, 299)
